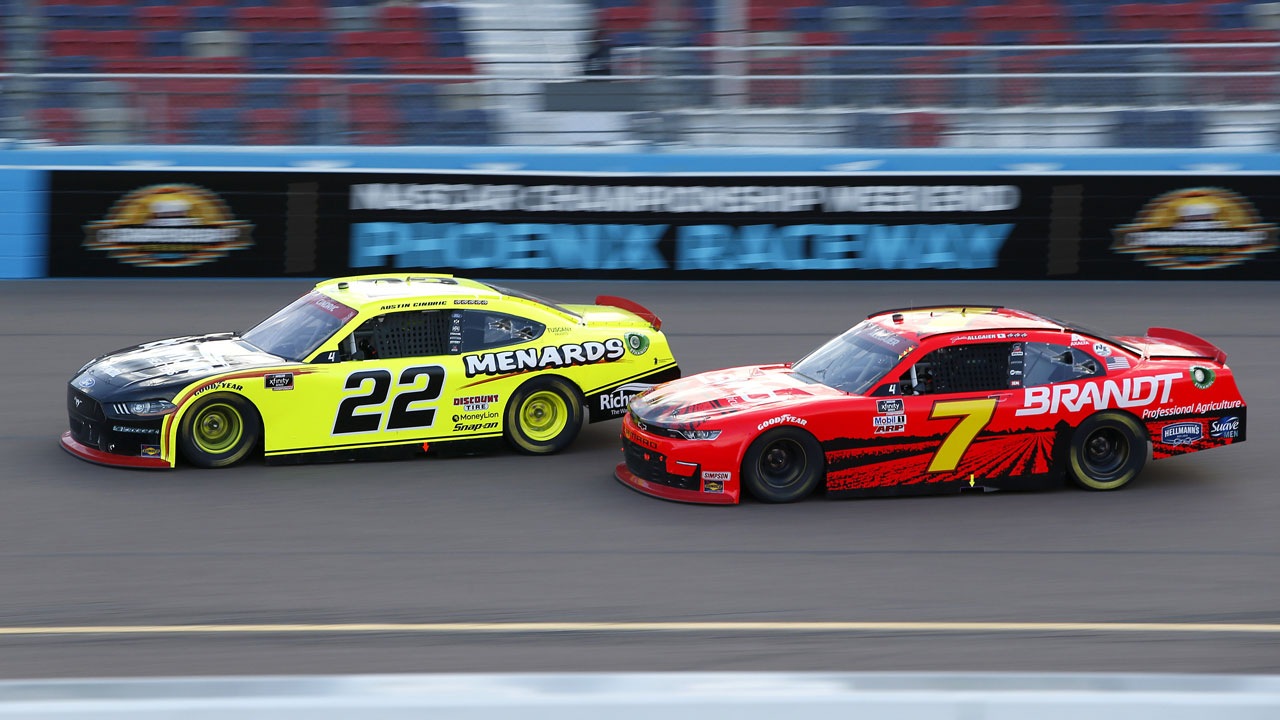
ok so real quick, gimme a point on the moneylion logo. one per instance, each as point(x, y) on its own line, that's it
point(1196, 229)
point(171, 225)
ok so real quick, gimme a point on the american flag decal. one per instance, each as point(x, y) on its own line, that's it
point(1117, 362)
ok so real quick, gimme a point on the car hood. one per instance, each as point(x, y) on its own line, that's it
point(698, 398)
point(176, 361)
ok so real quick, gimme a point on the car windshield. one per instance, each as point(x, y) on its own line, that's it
point(297, 330)
point(532, 298)
point(856, 360)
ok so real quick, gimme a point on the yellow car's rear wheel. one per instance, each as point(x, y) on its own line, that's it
point(218, 431)
point(544, 416)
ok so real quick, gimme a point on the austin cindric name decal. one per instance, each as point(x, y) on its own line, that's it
point(551, 356)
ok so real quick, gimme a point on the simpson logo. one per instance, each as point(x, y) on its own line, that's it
point(1196, 229)
point(1183, 433)
point(279, 381)
point(637, 344)
point(888, 406)
point(782, 419)
point(616, 400)
point(170, 225)
point(1128, 393)
point(720, 476)
point(1227, 427)
point(475, 403)
point(889, 420)
point(551, 356)
point(1202, 377)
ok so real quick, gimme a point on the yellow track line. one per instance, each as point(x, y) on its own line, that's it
point(632, 627)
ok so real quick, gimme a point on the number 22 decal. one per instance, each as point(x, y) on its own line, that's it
point(350, 419)
point(974, 415)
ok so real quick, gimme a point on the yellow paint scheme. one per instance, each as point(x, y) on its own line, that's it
point(302, 419)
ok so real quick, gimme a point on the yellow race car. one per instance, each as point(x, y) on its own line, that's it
point(373, 365)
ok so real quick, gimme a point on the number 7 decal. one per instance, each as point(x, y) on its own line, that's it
point(974, 415)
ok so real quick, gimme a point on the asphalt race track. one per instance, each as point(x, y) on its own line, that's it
point(502, 538)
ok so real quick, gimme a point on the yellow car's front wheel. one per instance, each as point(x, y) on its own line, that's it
point(544, 416)
point(219, 430)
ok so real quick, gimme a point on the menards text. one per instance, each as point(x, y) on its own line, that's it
point(1128, 393)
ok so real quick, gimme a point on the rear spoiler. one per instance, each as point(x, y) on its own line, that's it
point(1191, 342)
point(631, 306)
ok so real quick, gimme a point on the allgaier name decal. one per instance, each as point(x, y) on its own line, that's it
point(551, 356)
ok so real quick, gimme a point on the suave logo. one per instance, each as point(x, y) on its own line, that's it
point(1227, 427)
point(1131, 392)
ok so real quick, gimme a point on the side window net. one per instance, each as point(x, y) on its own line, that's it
point(482, 330)
point(963, 368)
point(398, 335)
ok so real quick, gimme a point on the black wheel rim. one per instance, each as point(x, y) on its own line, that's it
point(781, 463)
point(1106, 450)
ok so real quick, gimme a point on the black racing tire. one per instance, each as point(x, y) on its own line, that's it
point(219, 430)
point(783, 465)
point(543, 416)
point(1107, 451)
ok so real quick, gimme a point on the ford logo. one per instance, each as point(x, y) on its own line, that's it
point(86, 382)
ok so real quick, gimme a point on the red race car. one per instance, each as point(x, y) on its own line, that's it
point(936, 399)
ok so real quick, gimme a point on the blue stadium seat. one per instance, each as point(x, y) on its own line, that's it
point(67, 17)
point(445, 17)
point(267, 46)
point(1159, 128)
point(266, 93)
point(112, 17)
point(215, 126)
point(1230, 16)
point(874, 130)
point(320, 126)
point(270, 65)
point(415, 100)
point(807, 19)
point(71, 64)
point(625, 39)
point(366, 65)
point(211, 17)
point(164, 43)
point(1087, 16)
point(450, 43)
point(311, 44)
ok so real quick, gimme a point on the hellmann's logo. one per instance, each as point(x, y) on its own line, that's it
point(1128, 393)
point(551, 356)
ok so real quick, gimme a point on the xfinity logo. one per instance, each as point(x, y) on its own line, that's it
point(888, 406)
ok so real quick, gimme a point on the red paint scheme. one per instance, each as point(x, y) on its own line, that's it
point(95, 455)
point(1023, 445)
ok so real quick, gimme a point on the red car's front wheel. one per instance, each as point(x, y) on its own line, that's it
point(783, 465)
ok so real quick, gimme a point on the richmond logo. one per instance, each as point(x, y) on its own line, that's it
point(1196, 229)
point(168, 226)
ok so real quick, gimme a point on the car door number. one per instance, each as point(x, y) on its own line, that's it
point(354, 413)
point(974, 415)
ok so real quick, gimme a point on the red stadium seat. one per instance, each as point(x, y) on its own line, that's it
point(270, 126)
point(119, 44)
point(775, 93)
point(923, 130)
point(403, 45)
point(318, 66)
point(58, 124)
point(161, 17)
point(627, 17)
point(62, 43)
point(402, 17)
point(312, 94)
point(372, 125)
point(358, 44)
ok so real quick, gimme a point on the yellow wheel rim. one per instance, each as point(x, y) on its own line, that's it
point(544, 415)
point(217, 428)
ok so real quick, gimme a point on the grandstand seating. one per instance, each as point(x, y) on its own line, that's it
point(365, 37)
